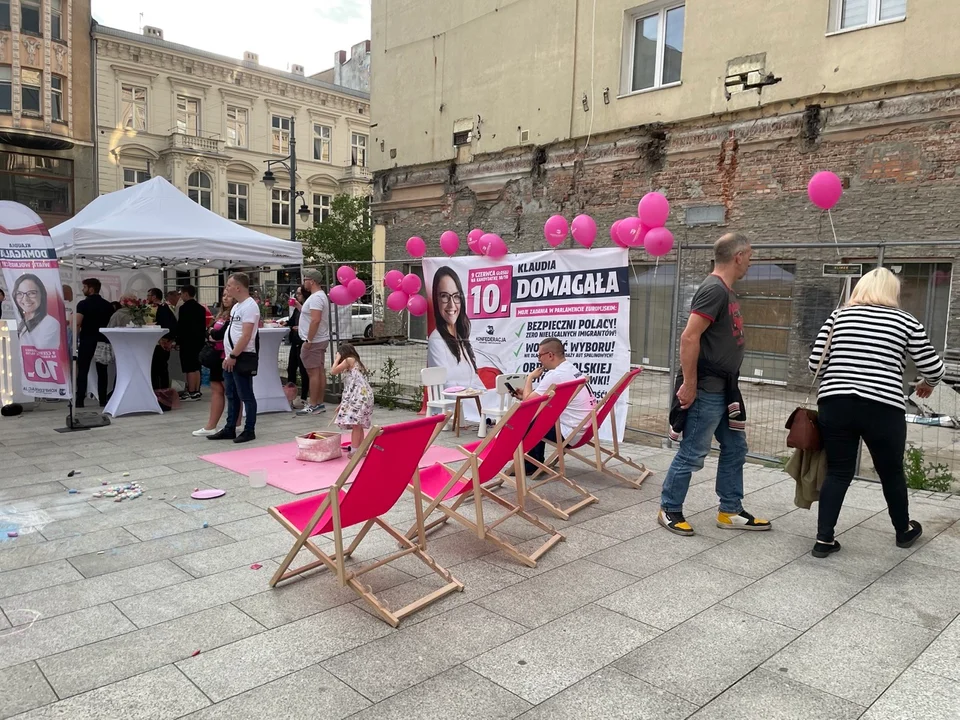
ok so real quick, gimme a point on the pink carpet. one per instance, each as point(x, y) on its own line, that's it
point(284, 471)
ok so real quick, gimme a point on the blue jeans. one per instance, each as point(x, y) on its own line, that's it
point(706, 419)
point(239, 389)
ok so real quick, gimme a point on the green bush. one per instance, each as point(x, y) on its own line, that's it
point(932, 477)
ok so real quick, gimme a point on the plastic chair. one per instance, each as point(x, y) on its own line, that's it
point(476, 477)
point(387, 461)
point(433, 379)
point(506, 400)
point(587, 433)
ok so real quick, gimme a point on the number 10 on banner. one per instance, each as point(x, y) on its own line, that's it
point(489, 292)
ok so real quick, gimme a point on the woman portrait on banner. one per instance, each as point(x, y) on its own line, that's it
point(37, 328)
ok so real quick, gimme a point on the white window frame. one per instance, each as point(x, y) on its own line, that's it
point(280, 134)
point(873, 16)
point(186, 114)
point(277, 196)
point(236, 123)
point(201, 191)
point(128, 120)
point(359, 150)
point(138, 176)
point(234, 193)
point(630, 42)
point(319, 207)
point(325, 142)
point(56, 92)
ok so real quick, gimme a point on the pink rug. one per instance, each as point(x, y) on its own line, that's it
point(284, 471)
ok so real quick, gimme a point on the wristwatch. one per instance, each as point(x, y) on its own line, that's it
point(234, 357)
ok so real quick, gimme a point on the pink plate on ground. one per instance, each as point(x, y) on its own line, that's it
point(208, 494)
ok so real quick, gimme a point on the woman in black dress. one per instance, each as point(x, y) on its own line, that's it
point(294, 363)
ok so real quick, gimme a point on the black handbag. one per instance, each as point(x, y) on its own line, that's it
point(247, 364)
point(210, 357)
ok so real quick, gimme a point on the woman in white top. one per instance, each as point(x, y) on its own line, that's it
point(37, 328)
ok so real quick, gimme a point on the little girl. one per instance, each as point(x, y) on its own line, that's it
point(356, 402)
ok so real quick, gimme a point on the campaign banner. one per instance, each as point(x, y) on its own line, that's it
point(487, 317)
point(31, 274)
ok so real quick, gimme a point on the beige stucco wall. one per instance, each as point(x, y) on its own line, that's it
point(528, 64)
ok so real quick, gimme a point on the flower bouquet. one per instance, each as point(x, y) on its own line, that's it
point(139, 310)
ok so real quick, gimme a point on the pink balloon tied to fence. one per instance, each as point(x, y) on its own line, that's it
point(393, 279)
point(584, 230)
point(450, 243)
point(397, 300)
point(473, 239)
point(416, 247)
point(659, 241)
point(493, 246)
point(555, 230)
point(411, 284)
point(613, 233)
point(824, 190)
point(417, 305)
point(345, 274)
point(628, 231)
point(357, 288)
point(340, 295)
point(654, 209)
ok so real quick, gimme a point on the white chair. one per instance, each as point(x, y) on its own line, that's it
point(433, 379)
point(506, 400)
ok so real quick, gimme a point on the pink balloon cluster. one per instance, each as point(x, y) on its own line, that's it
point(583, 229)
point(404, 295)
point(350, 289)
point(825, 189)
point(647, 228)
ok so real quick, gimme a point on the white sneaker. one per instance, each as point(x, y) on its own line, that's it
point(203, 432)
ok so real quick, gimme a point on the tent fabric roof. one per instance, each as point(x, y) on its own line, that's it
point(153, 223)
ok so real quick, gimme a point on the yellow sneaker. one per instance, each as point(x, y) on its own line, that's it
point(674, 522)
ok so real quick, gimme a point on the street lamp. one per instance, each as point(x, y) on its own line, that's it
point(290, 164)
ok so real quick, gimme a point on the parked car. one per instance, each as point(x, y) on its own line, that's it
point(362, 320)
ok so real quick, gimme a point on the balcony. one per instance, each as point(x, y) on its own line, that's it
point(182, 142)
point(357, 173)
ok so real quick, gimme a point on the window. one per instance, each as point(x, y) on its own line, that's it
point(198, 189)
point(861, 13)
point(656, 49)
point(280, 207)
point(321, 208)
point(30, 16)
point(6, 89)
point(321, 142)
point(56, 98)
point(133, 177)
point(30, 92)
point(56, 19)
point(5, 14)
point(236, 127)
point(358, 153)
point(281, 134)
point(133, 107)
point(237, 201)
point(43, 184)
point(188, 116)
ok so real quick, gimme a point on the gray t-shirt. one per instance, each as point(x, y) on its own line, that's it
point(722, 344)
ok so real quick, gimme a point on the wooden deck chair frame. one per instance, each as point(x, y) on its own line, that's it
point(479, 492)
point(337, 562)
point(588, 433)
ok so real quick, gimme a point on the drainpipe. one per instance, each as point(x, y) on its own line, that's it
point(96, 113)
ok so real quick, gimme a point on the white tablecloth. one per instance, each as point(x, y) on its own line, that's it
point(267, 387)
point(133, 348)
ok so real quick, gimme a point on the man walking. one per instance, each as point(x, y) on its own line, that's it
point(315, 333)
point(93, 314)
point(708, 403)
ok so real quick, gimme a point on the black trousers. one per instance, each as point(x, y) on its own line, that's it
point(160, 369)
point(844, 421)
point(85, 353)
point(538, 451)
point(294, 364)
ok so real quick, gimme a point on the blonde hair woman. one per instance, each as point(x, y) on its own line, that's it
point(861, 397)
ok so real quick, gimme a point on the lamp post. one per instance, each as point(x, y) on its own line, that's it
point(290, 163)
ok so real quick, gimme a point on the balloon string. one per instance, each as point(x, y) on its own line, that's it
point(834, 230)
point(656, 267)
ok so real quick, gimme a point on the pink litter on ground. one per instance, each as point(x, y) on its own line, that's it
point(207, 494)
point(256, 566)
point(285, 472)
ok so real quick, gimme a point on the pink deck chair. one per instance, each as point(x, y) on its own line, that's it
point(387, 460)
point(477, 476)
point(547, 418)
point(587, 433)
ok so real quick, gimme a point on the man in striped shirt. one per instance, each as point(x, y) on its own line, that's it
point(711, 352)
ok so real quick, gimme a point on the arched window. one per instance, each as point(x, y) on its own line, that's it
point(198, 189)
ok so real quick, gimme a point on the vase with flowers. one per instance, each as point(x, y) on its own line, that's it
point(138, 310)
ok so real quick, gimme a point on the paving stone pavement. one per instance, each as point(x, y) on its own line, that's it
point(104, 606)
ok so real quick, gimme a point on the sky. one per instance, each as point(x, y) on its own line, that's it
point(302, 32)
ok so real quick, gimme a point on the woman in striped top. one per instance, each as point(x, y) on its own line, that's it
point(861, 397)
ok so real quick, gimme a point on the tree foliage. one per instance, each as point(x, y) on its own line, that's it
point(345, 236)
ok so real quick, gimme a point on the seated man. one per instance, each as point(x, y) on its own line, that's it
point(555, 369)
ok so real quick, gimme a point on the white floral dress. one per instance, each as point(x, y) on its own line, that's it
point(356, 403)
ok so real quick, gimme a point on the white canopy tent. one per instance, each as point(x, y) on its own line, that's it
point(153, 224)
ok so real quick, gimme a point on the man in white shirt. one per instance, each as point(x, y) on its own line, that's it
point(315, 333)
point(556, 369)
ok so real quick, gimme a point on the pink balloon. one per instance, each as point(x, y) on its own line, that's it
point(493, 246)
point(397, 300)
point(825, 189)
point(393, 279)
point(629, 232)
point(613, 232)
point(417, 305)
point(473, 237)
point(450, 242)
point(357, 288)
point(339, 295)
point(642, 235)
point(654, 209)
point(584, 230)
point(345, 274)
point(555, 230)
point(659, 241)
point(411, 284)
point(416, 247)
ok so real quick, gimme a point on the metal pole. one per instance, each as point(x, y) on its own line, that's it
point(674, 326)
point(293, 181)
